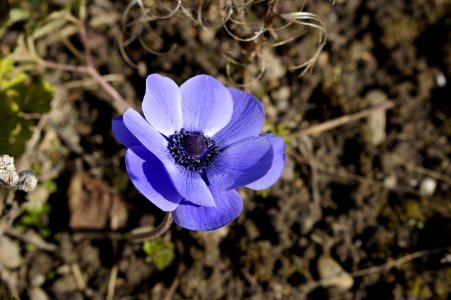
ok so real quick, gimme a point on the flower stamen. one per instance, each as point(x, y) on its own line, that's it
point(192, 149)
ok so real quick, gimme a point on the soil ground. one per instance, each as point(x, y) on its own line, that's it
point(362, 210)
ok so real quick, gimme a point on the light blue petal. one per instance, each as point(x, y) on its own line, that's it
point(247, 119)
point(151, 179)
point(162, 104)
point(241, 163)
point(147, 135)
point(229, 206)
point(206, 105)
point(190, 185)
point(122, 134)
point(277, 165)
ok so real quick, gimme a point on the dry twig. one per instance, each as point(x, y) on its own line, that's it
point(328, 125)
point(112, 282)
point(88, 69)
point(377, 269)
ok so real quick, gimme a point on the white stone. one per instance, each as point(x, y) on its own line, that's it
point(440, 79)
point(333, 275)
point(428, 186)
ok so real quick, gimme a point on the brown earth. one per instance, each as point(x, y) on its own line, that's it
point(362, 211)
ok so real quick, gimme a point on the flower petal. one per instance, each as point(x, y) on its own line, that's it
point(151, 179)
point(122, 134)
point(190, 185)
point(206, 105)
point(229, 206)
point(162, 104)
point(247, 119)
point(277, 165)
point(241, 163)
point(147, 135)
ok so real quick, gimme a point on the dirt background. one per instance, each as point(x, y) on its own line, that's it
point(362, 210)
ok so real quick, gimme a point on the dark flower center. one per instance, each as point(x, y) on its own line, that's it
point(192, 149)
point(195, 144)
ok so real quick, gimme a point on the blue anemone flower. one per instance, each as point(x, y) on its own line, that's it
point(194, 146)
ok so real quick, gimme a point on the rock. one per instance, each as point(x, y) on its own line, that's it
point(37, 293)
point(440, 79)
point(428, 186)
point(66, 288)
point(377, 120)
point(9, 253)
point(333, 275)
point(94, 205)
point(281, 97)
point(391, 181)
point(207, 36)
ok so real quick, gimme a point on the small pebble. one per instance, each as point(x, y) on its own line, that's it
point(377, 120)
point(391, 181)
point(37, 293)
point(428, 186)
point(333, 275)
point(413, 182)
point(9, 253)
point(440, 79)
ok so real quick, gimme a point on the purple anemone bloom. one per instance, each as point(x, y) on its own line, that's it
point(194, 146)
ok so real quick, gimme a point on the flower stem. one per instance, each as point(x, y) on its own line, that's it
point(137, 235)
point(145, 233)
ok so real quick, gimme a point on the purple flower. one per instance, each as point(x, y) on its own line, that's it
point(194, 146)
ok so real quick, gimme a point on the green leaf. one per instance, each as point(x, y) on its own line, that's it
point(51, 24)
point(17, 82)
point(37, 97)
point(4, 295)
point(161, 252)
point(17, 133)
point(15, 15)
point(34, 216)
point(19, 95)
point(263, 193)
point(6, 66)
